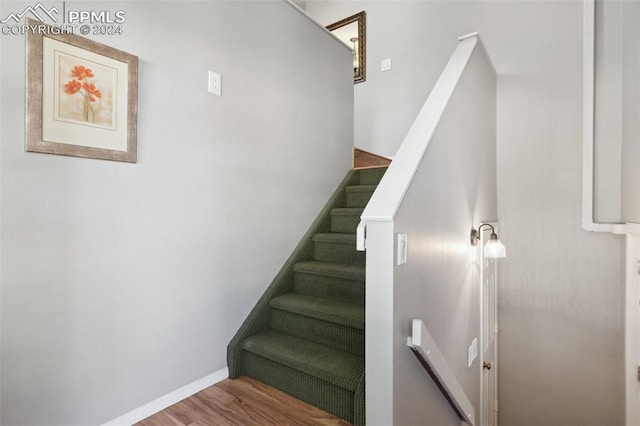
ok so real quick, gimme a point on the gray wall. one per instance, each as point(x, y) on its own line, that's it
point(560, 287)
point(123, 282)
point(454, 188)
point(419, 43)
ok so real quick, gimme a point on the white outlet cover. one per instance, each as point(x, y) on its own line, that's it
point(385, 64)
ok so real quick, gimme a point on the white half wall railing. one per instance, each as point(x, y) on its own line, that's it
point(394, 199)
point(429, 355)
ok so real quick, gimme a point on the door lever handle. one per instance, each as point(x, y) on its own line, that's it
point(486, 365)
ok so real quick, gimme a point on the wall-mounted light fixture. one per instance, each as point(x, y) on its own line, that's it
point(494, 248)
point(356, 61)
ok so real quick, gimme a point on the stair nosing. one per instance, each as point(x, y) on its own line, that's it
point(334, 270)
point(346, 211)
point(335, 237)
point(360, 188)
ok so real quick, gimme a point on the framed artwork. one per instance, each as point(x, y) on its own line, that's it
point(82, 97)
point(353, 32)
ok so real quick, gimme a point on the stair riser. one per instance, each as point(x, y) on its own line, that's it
point(331, 398)
point(371, 176)
point(344, 224)
point(338, 253)
point(358, 199)
point(338, 289)
point(336, 336)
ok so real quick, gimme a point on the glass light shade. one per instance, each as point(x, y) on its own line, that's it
point(356, 61)
point(494, 249)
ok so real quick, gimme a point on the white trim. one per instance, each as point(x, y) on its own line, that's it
point(631, 333)
point(168, 400)
point(588, 122)
point(633, 228)
point(2, 90)
point(493, 327)
point(361, 235)
point(588, 103)
point(380, 327)
point(466, 36)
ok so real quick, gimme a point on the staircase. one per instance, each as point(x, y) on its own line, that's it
point(306, 334)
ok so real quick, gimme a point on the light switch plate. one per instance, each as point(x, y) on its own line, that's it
point(401, 255)
point(385, 64)
point(215, 83)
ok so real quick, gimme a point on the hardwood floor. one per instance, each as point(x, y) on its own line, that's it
point(243, 401)
point(365, 160)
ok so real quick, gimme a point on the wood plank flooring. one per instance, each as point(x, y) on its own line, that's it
point(365, 160)
point(243, 401)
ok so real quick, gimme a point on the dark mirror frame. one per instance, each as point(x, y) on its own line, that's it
point(359, 73)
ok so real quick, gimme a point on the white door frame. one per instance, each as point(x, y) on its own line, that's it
point(632, 326)
point(488, 418)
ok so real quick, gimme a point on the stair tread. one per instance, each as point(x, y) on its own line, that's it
point(335, 270)
point(335, 237)
point(360, 188)
point(347, 211)
point(346, 314)
point(328, 364)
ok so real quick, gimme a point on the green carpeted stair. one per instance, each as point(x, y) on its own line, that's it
point(306, 334)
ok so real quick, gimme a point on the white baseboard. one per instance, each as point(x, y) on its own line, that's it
point(168, 400)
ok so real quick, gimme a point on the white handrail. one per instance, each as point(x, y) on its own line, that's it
point(423, 345)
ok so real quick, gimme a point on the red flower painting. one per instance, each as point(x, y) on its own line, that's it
point(72, 87)
point(91, 91)
point(81, 73)
point(82, 85)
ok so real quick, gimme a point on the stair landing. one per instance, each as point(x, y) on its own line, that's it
point(364, 159)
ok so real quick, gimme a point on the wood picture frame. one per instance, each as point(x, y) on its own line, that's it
point(82, 97)
point(353, 32)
